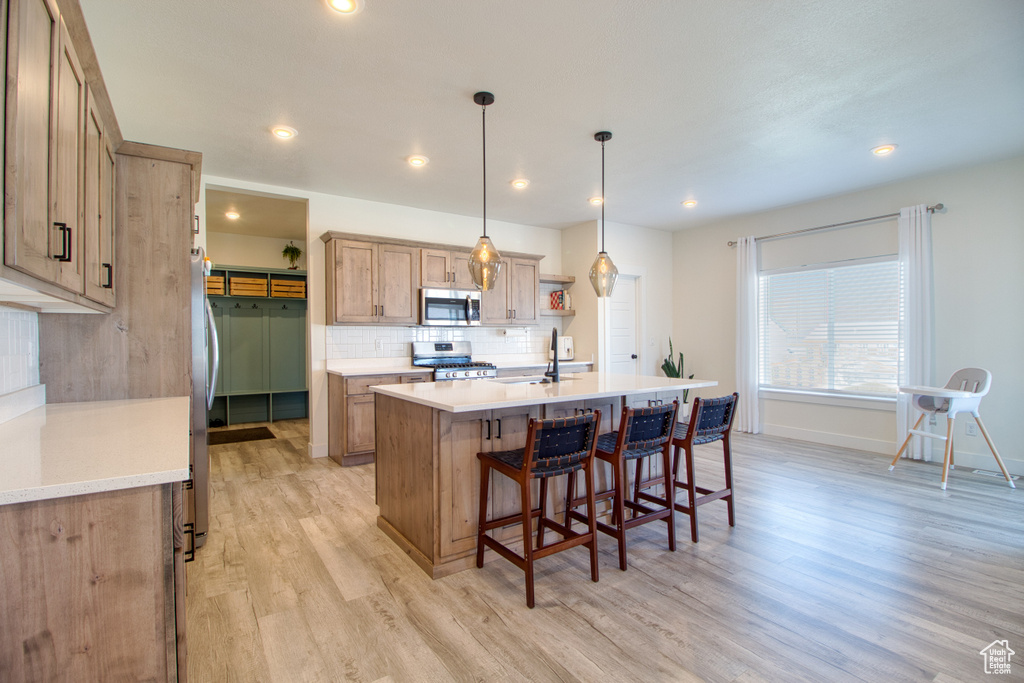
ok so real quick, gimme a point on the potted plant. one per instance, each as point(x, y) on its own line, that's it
point(672, 370)
point(292, 253)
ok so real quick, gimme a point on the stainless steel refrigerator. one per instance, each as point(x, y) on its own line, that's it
point(205, 357)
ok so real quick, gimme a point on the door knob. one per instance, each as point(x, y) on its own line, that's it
point(633, 356)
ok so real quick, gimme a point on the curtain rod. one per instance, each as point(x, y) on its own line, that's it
point(931, 209)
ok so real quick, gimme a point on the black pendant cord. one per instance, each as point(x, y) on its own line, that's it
point(602, 196)
point(483, 119)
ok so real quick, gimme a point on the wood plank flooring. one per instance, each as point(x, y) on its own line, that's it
point(837, 570)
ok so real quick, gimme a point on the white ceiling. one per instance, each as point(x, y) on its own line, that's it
point(259, 215)
point(743, 105)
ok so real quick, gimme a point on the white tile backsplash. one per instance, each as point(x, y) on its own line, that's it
point(19, 350)
point(396, 342)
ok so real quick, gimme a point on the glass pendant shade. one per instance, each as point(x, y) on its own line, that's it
point(485, 264)
point(603, 274)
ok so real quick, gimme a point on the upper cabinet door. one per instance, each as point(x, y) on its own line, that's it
point(31, 241)
point(494, 304)
point(398, 283)
point(67, 180)
point(98, 201)
point(460, 270)
point(355, 282)
point(435, 268)
point(525, 291)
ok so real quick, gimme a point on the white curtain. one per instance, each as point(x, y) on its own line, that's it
point(917, 325)
point(747, 416)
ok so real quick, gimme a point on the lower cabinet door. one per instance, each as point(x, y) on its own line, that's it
point(461, 437)
point(360, 424)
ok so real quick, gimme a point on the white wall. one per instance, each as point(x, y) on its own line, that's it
point(344, 214)
point(244, 250)
point(19, 350)
point(979, 280)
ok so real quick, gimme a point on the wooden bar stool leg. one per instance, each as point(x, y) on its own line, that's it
point(727, 448)
point(691, 492)
point(992, 447)
point(588, 475)
point(620, 510)
point(949, 447)
point(484, 477)
point(543, 508)
point(666, 463)
point(524, 489)
point(570, 496)
point(905, 442)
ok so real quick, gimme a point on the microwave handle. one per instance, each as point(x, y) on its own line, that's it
point(469, 309)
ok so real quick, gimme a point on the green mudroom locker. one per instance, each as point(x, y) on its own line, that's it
point(260, 316)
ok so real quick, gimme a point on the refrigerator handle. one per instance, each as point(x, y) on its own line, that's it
point(212, 382)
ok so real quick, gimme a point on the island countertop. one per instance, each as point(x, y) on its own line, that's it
point(70, 449)
point(461, 396)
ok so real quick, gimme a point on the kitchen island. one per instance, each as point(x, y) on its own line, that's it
point(428, 435)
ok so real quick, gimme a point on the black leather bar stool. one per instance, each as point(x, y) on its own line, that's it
point(643, 433)
point(553, 447)
point(710, 421)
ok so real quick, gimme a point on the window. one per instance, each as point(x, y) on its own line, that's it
point(832, 328)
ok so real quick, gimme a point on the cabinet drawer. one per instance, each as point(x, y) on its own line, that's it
point(361, 385)
point(412, 379)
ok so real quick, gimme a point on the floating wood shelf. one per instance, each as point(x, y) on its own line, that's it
point(554, 311)
point(557, 279)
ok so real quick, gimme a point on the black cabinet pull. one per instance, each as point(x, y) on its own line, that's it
point(499, 430)
point(382, 310)
point(375, 309)
point(68, 246)
point(63, 255)
point(190, 532)
point(110, 276)
point(513, 313)
point(488, 429)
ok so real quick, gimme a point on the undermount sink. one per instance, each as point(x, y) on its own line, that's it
point(538, 379)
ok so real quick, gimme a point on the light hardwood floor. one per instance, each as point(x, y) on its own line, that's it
point(837, 570)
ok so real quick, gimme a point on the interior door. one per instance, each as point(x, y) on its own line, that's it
point(623, 338)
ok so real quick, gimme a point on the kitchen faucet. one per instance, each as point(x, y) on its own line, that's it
point(553, 373)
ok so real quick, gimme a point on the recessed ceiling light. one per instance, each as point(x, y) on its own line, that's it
point(345, 6)
point(284, 132)
point(233, 215)
point(520, 183)
point(596, 201)
point(418, 160)
point(690, 203)
point(884, 149)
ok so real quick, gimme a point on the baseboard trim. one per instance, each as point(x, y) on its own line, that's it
point(316, 450)
point(962, 459)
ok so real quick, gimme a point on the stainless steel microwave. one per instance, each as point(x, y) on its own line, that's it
point(449, 307)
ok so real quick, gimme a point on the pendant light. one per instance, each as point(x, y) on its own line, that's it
point(603, 273)
point(485, 261)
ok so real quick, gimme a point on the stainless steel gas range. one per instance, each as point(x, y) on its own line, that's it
point(451, 360)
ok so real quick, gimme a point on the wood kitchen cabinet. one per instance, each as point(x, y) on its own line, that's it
point(351, 426)
point(93, 587)
point(98, 202)
point(445, 269)
point(460, 437)
point(514, 300)
point(372, 283)
point(60, 136)
point(44, 146)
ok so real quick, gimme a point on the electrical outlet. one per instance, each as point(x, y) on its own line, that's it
point(972, 429)
point(378, 344)
point(931, 420)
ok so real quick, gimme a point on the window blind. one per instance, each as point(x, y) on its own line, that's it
point(831, 329)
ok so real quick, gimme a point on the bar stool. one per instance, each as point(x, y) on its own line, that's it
point(643, 432)
point(710, 421)
point(553, 447)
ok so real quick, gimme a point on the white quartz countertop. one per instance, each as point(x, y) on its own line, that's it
point(359, 367)
point(463, 396)
point(70, 449)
